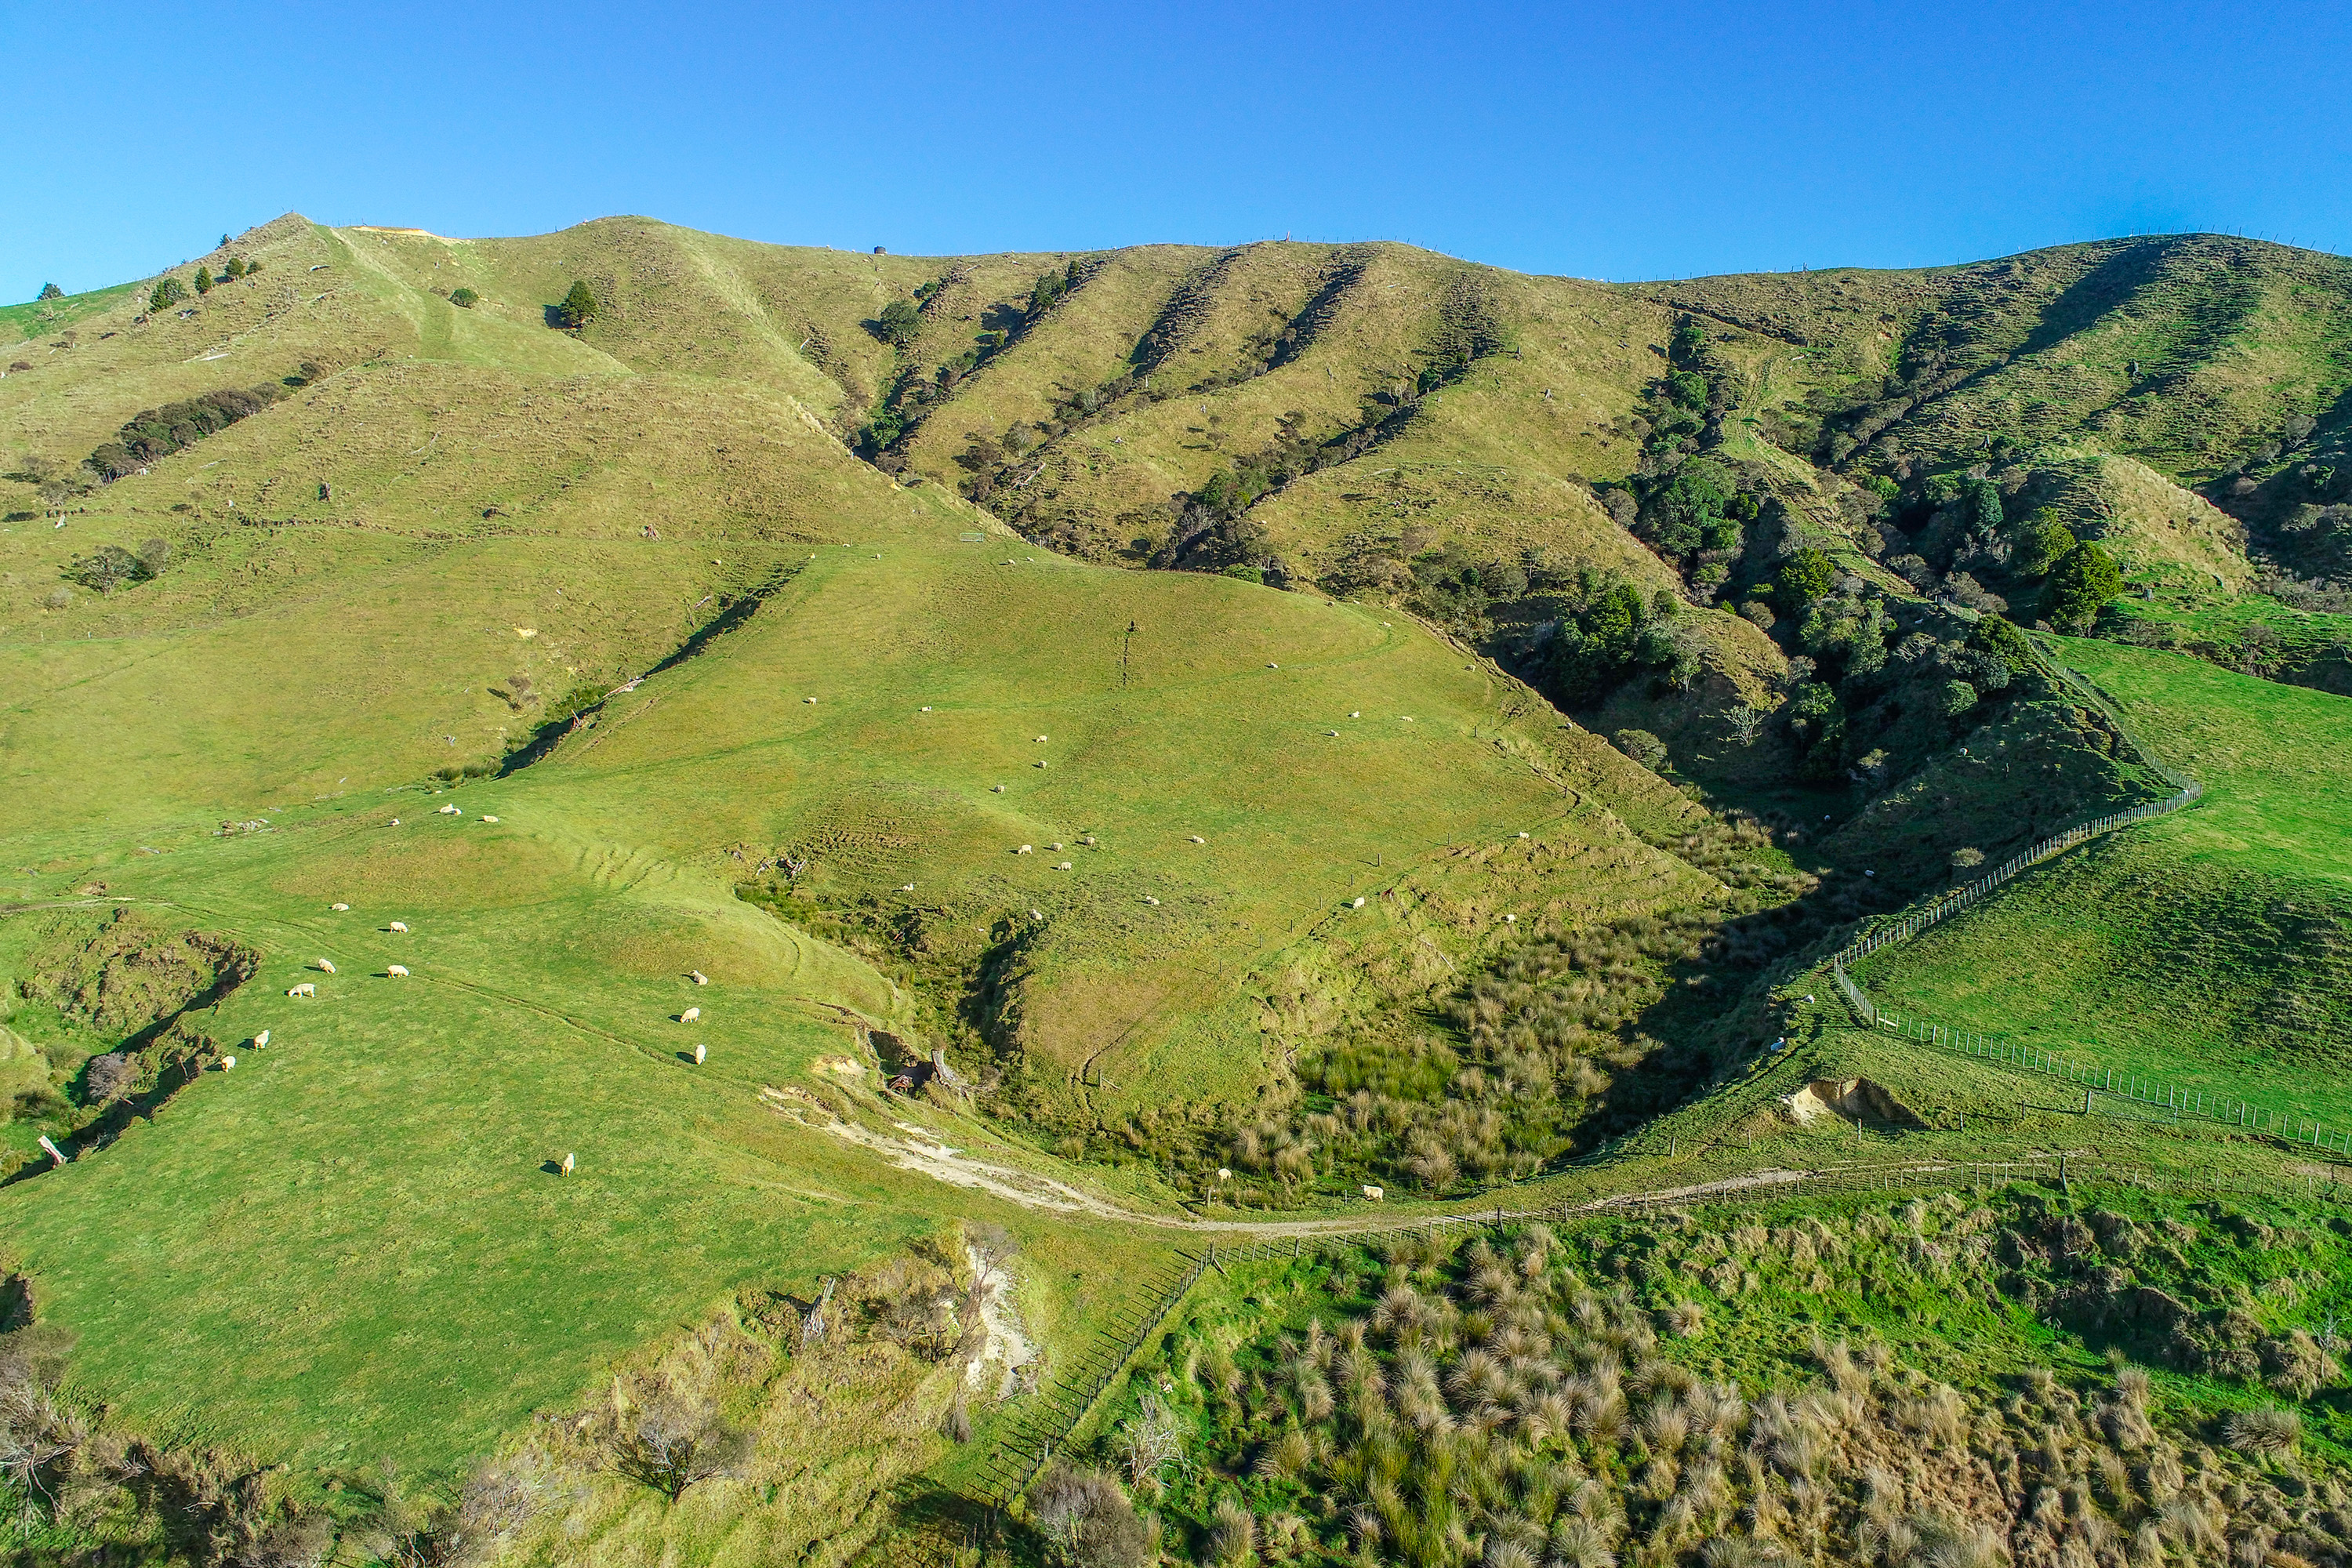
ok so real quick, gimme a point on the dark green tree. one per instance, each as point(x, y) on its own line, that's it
point(2082, 582)
point(203, 280)
point(1984, 505)
point(51, 292)
point(1804, 577)
point(900, 323)
point(465, 299)
point(580, 307)
point(2045, 544)
point(168, 293)
point(236, 267)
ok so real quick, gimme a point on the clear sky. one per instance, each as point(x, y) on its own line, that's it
point(1621, 141)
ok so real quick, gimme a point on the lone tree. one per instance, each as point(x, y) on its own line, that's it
point(898, 323)
point(464, 298)
point(203, 280)
point(51, 292)
point(580, 307)
point(2082, 582)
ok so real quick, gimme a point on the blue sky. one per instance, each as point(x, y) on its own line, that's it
point(1616, 142)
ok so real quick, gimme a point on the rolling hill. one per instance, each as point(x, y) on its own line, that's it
point(1227, 732)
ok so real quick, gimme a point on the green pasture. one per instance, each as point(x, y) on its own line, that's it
point(2208, 949)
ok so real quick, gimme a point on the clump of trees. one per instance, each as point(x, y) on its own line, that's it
point(110, 566)
point(1608, 632)
point(50, 291)
point(167, 292)
point(157, 433)
point(465, 299)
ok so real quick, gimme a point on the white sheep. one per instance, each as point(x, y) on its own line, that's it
point(326, 966)
point(449, 810)
point(1223, 1175)
point(569, 1163)
point(338, 908)
point(699, 1052)
point(394, 823)
point(1152, 901)
point(996, 789)
point(395, 971)
point(305, 989)
point(922, 711)
point(905, 887)
point(1063, 867)
point(1052, 847)
point(1041, 738)
point(1510, 920)
point(808, 699)
point(697, 977)
point(1523, 835)
point(1025, 849)
point(1374, 1195)
point(689, 1015)
point(1356, 714)
point(227, 1062)
point(400, 926)
point(1358, 904)
point(261, 1039)
point(1270, 665)
point(1196, 838)
point(489, 819)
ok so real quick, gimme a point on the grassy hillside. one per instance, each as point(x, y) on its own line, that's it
point(1143, 676)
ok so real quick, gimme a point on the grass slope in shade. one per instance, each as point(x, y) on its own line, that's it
point(2212, 947)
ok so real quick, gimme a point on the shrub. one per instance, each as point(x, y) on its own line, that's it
point(1642, 746)
point(465, 299)
point(900, 323)
point(1804, 577)
point(158, 433)
point(1087, 1522)
point(2080, 586)
point(167, 293)
point(1959, 698)
point(51, 292)
point(107, 568)
point(579, 308)
point(2044, 547)
point(108, 1079)
point(1248, 574)
point(203, 280)
point(1759, 614)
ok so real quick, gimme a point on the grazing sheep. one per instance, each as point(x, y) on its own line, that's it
point(569, 1163)
point(326, 966)
point(922, 709)
point(996, 789)
point(1375, 1194)
point(1087, 841)
point(1356, 714)
point(1330, 731)
point(338, 908)
point(400, 926)
point(1356, 905)
point(1196, 838)
point(1223, 1175)
point(1041, 738)
point(699, 1052)
point(697, 977)
point(1025, 849)
point(261, 1039)
point(1152, 901)
point(905, 887)
point(394, 823)
point(808, 699)
point(489, 819)
point(449, 810)
point(1038, 763)
point(305, 989)
point(227, 1062)
point(1036, 914)
point(1523, 835)
point(689, 1015)
point(1063, 867)
point(1052, 847)
point(1270, 665)
point(395, 971)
